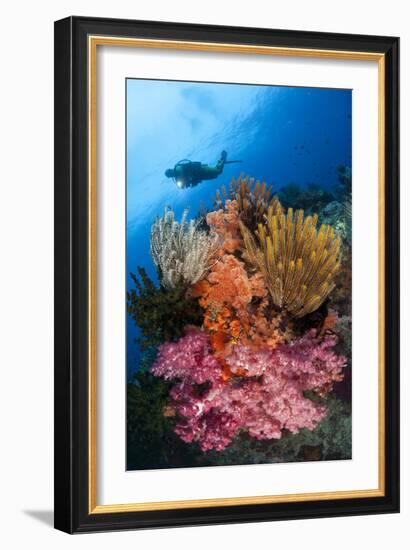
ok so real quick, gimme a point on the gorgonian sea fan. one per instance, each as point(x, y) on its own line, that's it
point(264, 396)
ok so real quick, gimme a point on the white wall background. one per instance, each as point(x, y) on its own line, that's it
point(26, 294)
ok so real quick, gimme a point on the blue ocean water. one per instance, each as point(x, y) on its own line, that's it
point(281, 134)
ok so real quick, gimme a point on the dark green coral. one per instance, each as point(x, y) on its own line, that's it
point(151, 441)
point(160, 314)
point(311, 200)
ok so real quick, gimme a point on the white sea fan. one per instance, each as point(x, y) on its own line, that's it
point(180, 250)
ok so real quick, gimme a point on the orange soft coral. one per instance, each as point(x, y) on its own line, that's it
point(229, 283)
point(263, 332)
point(236, 302)
point(330, 322)
point(236, 308)
point(225, 222)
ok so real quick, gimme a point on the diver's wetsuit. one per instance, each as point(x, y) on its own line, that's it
point(188, 174)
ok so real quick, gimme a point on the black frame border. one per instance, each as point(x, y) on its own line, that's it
point(71, 275)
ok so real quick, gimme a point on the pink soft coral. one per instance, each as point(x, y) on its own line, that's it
point(189, 359)
point(264, 397)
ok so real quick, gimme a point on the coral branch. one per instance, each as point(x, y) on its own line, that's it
point(160, 314)
point(252, 198)
point(225, 223)
point(180, 250)
point(266, 395)
point(299, 262)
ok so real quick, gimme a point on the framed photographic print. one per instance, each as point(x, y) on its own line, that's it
point(226, 274)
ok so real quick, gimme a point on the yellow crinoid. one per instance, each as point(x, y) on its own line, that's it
point(298, 261)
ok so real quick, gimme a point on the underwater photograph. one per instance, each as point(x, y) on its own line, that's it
point(239, 283)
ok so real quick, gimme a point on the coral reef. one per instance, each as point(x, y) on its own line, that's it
point(339, 215)
point(151, 440)
point(344, 174)
point(347, 215)
point(225, 223)
point(310, 200)
point(235, 302)
point(253, 199)
point(245, 345)
point(265, 396)
point(236, 307)
point(341, 297)
point(145, 393)
point(180, 250)
point(160, 314)
point(330, 440)
point(290, 195)
point(298, 262)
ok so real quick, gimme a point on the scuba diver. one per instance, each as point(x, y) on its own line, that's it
point(188, 174)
